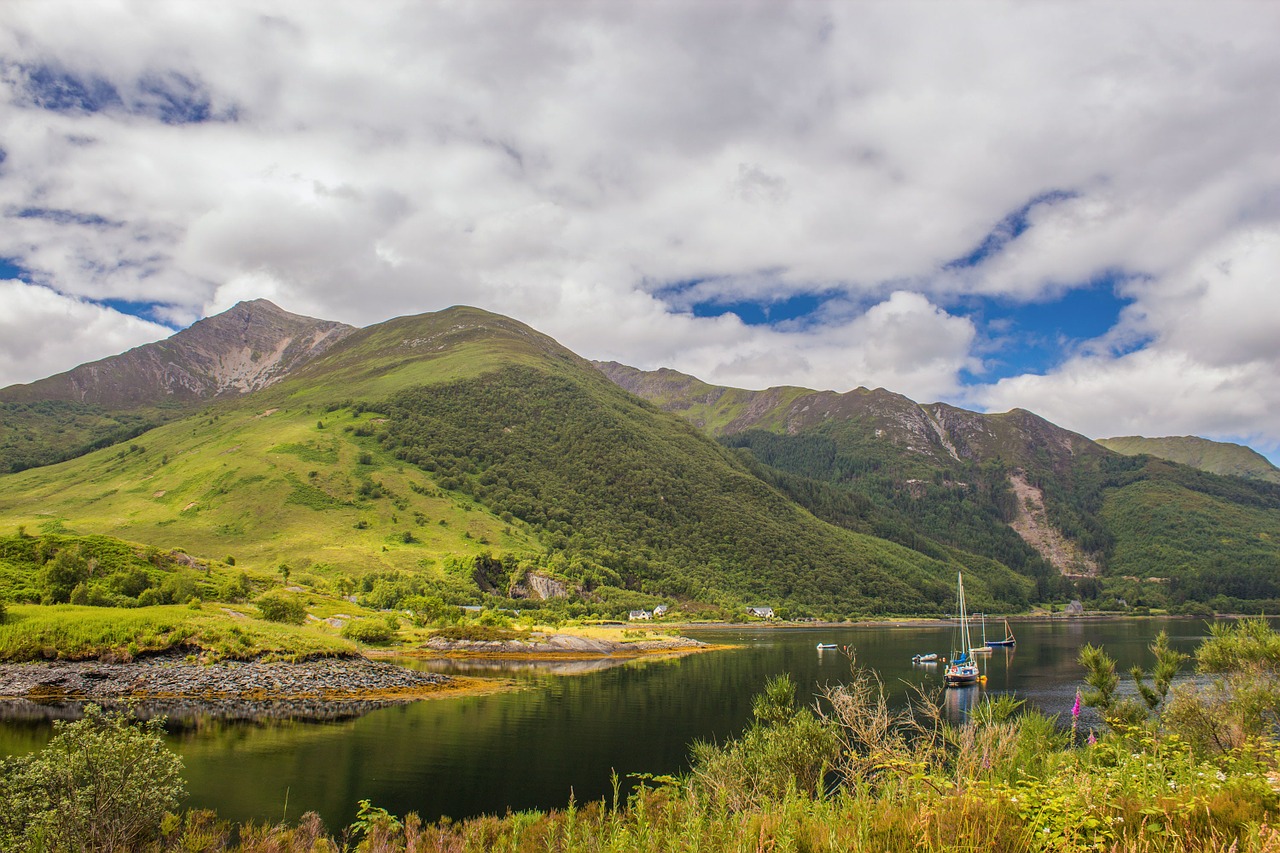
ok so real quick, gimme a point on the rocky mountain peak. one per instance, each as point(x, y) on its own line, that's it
point(247, 347)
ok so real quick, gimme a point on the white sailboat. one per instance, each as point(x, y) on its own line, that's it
point(985, 648)
point(962, 671)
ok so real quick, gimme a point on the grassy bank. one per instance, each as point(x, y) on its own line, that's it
point(69, 632)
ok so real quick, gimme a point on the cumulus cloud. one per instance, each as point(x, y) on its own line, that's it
point(1211, 367)
point(34, 325)
point(579, 165)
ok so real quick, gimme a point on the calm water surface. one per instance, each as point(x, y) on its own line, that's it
point(571, 727)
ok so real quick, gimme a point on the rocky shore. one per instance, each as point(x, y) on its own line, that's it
point(321, 688)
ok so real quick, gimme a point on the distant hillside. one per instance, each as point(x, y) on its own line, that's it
point(431, 442)
point(1012, 487)
point(94, 405)
point(988, 484)
point(1216, 457)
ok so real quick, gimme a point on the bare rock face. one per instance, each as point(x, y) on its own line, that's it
point(1033, 526)
point(243, 349)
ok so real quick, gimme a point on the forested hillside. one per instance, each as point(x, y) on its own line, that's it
point(1132, 530)
point(637, 499)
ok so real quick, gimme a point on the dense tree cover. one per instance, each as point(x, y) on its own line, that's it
point(50, 431)
point(1209, 538)
point(635, 499)
point(965, 507)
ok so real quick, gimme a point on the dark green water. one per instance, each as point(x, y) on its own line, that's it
point(565, 733)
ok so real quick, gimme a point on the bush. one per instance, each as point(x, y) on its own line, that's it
point(276, 606)
point(369, 631)
point(103, 783)
point(3, 613)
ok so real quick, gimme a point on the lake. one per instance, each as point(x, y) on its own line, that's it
point(571, 726)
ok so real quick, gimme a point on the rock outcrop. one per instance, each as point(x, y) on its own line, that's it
point(245, 348)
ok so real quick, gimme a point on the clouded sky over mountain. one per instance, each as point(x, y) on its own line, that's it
point(1069, 207)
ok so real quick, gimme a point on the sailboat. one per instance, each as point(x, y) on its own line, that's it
point(962, 671)
point(1008, 637)
point(985, 648)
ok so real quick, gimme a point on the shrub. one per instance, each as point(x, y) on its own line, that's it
point(369, 631)
point(103, 783)
point(3, 613)
point(276, 606)
point(786, 751)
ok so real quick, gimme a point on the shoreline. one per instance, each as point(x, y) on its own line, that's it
point(550, 647)
point(319, 688)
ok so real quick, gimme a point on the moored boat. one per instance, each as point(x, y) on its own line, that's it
point(1008, 640)
point(963, 670)
point(822, 647)
point(931, 657)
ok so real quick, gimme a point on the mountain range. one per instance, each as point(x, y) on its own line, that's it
point(466, 449)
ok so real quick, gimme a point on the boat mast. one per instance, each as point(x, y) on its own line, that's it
point(964, 616)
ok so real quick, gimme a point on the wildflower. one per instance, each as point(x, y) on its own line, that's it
point(1075, 709)
point(1092, 739)
point(1222, 777)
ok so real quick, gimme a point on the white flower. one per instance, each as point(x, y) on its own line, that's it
point(1222, 777)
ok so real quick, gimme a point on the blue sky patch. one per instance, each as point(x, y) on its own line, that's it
point(62, 92)
point(168, 96)
point(9, 270)
point(764, 312)
point(64, 217)
point(142, 310)
point(1035, 337)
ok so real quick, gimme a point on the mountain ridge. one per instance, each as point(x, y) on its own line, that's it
point(458, 437)
point(1216, 457)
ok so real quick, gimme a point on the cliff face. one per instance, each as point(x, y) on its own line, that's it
point(243, 349)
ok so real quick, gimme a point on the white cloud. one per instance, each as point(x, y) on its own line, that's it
point(34, 326)
point(1212, 366)
point(567, 162)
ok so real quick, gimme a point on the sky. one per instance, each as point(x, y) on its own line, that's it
point(1068, 207)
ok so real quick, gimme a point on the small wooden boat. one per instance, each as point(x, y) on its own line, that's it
point(824, 647)
point(932, 657)
point(1009, 638)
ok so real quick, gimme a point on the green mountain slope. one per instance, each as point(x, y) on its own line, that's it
point(1010, 487)
point(1216, 457)
point(465, 439)
point(94, 405)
